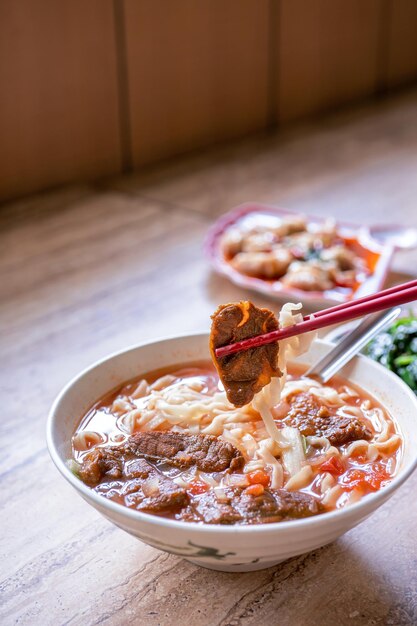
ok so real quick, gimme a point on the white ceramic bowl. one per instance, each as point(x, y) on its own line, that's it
point(227, 548)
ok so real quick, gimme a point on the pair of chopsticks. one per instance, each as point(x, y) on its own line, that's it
point(401, 294)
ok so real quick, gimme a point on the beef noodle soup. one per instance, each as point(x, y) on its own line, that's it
point(187, 445)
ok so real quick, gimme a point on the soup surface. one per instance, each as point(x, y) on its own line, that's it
point(171, 444)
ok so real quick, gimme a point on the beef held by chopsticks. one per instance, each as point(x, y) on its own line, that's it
point(244, 373)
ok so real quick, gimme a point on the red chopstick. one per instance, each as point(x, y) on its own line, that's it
point(334, 315)
point(373, 296)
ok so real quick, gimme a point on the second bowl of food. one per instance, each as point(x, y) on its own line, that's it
point(149, 437)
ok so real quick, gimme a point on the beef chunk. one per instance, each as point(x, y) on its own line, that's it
point(208, 453)
point(296, 505)
point(313, 418)
point(244, 373)
point(209, 509)
point(235, 506)
point(149, 490)
point(101, 463)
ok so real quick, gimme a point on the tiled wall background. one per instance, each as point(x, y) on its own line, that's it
point(90, 88)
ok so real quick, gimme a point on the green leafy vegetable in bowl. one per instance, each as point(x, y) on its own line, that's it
point(396, 349)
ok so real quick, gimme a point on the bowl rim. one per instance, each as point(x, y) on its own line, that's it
point(133, 515)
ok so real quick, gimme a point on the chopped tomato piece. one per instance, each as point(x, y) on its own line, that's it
point(254, 490)
point(370, 480)
point(258, 477)
point(354, 479)
point(333, 465)
point(196, 487)
point(360, 457)
point(377, 476)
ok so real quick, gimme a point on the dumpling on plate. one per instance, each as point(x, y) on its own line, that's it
point(271, 265)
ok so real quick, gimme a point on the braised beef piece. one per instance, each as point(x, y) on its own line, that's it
point(234, 506)
point(101, 463)
point(314, 419)
point(208, 453)
point(117, 472)
point(136, 482)
point(244, 373)
point(296, 505)
point(149, 490)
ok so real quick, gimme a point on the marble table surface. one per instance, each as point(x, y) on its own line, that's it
point(90, 269)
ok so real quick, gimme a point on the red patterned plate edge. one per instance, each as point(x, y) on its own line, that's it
point(275, 290)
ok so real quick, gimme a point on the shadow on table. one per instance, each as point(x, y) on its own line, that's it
point(332, 585)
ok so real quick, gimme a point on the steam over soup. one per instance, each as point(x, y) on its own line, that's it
point(172, 444)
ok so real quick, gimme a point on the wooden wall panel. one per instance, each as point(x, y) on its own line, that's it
point(327, 54)
point(90, 86)
point(198, 72)
point(298, 63)
point(59, 116)
point(402, 43)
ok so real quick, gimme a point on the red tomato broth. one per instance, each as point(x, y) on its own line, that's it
point(100, 419)
point(367, 477)
point(358, 472)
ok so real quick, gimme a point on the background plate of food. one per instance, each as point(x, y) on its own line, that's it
point(283, 254)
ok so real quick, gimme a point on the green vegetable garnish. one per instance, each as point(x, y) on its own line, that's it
point(396, 349)
point(74, 467)
point(404, 359)
point(305, 444)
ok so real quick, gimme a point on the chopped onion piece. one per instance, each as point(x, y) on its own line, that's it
point(208, 479)
point(181, 482)
point(151, 486)
point(293, 455)
point(220, 494)
point(73, 466)
point(236, 480)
